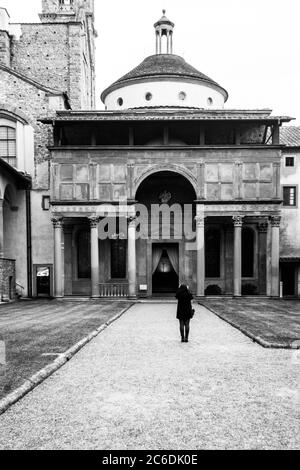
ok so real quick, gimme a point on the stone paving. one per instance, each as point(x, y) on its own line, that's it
point(136, 386)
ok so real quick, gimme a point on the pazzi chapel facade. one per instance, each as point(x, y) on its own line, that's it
point(79, 187)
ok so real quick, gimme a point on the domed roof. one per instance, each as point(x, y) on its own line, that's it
point(164, 66)
point(164, 20)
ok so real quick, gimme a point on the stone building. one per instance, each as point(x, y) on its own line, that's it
point(165, 137)
point(290, 211)
point(164, 186)
point(44, 67)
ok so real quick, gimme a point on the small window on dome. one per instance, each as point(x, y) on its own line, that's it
point(148, 96)
point(120, 101)
point(182, 95)
point(210, 101)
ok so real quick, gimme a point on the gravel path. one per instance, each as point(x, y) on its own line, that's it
point(136, 386)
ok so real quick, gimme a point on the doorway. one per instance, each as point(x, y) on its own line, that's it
point(43, 281)
point(288, 277)
point(165, 268)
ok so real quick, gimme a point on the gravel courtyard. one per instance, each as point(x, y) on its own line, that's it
point(136, 386)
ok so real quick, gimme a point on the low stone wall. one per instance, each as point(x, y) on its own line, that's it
point(7, 280)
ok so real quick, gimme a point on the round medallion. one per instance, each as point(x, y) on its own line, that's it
point(165, 197)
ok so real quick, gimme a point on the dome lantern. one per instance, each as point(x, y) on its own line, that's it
point(164, 27)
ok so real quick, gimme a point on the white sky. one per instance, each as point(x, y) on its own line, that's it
point(250, 47)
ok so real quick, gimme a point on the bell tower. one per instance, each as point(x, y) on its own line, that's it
point(65, 10)
point(164, 34)
point(61, 50)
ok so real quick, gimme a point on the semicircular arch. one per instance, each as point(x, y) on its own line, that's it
point(177, 169)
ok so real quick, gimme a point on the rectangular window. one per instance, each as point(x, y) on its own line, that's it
point(289, 161)
point(118, 259)
point(46, 203)
point(8, 150)
point(289, 196)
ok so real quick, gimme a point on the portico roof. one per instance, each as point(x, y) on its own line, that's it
point(167, 114)
point(23, 180)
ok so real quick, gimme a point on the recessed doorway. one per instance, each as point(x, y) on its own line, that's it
point(288, 278)
point(165, 268)
point(43, 281)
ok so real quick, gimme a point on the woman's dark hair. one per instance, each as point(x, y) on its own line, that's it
point(183, 288)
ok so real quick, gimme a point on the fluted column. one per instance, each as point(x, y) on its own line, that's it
point(58, 280)
point(237, 256)
point(94, 222)
point(200, 222)
point(275, 227)
point(132, 257)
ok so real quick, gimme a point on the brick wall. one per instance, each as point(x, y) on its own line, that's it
point(7, 280)
point(42, 53)
point(57, 55)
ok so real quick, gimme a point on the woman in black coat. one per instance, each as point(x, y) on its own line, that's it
point(184, 311)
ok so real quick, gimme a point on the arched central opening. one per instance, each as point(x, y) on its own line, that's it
point(168, 199)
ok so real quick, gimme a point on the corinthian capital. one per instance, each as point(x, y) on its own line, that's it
point(275, 220)
point(94, 221)
point(263, 227)
point(57, 222)
point(237, 220)
point(200, 220)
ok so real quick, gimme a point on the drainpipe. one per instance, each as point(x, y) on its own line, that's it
point(29, 244)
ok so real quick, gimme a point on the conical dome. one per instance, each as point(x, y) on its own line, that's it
point(164, 80)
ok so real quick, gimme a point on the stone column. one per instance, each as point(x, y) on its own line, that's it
point(94, 222)
point(228, 235)
point(157, 43)
point(132, 258)
point(262, 257)
point(237, 256)
point(200, 222)
point(58, 279)
point(1, 230)
point(275, 224)
point(68, 232)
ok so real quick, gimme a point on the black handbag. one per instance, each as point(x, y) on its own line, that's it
point(192, 312)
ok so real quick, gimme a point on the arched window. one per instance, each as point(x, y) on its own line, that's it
point(247, 252)
point(212, 252)
point(84, 254)
point(8, 147)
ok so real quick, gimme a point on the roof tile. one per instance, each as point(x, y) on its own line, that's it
point(163, 65)
point(290, 135)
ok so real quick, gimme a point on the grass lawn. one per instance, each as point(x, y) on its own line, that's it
point(34, 333)
point(274, 321)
